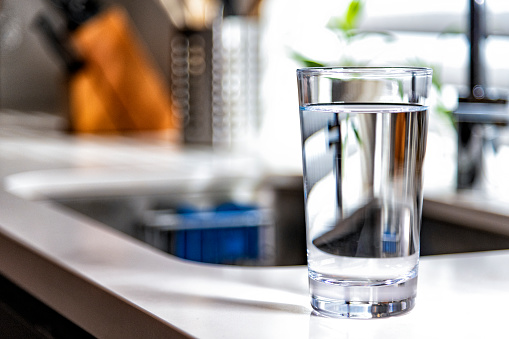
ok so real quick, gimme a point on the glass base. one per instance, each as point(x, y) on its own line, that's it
point(374, 300)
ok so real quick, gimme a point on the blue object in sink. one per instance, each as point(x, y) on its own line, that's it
point(227, 234)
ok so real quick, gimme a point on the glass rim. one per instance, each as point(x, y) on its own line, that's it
point(366, 70)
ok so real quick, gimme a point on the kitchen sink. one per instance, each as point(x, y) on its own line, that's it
point(209, 226)
point(274, 233)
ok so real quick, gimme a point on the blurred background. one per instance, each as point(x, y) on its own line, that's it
point(33, 78)
point(430, 33)
point(224, 75)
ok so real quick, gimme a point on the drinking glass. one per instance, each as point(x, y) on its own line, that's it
point(363, 143)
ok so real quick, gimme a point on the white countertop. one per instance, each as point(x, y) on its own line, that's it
point(116, 287)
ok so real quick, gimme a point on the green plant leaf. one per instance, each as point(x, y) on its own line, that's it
point(357, 134)
point(306, 62)
point(347, 24)
point(353, 14)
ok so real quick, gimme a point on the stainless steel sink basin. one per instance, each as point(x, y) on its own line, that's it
point(279, 229)
point(150, 204)
point(211, 226)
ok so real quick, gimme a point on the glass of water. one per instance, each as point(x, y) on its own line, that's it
point(363, 143)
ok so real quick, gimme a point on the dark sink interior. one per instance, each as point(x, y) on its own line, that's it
point(275, 234)
point(440, 237)
point(210, 227)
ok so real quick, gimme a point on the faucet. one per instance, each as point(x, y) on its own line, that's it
point(479, 118)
